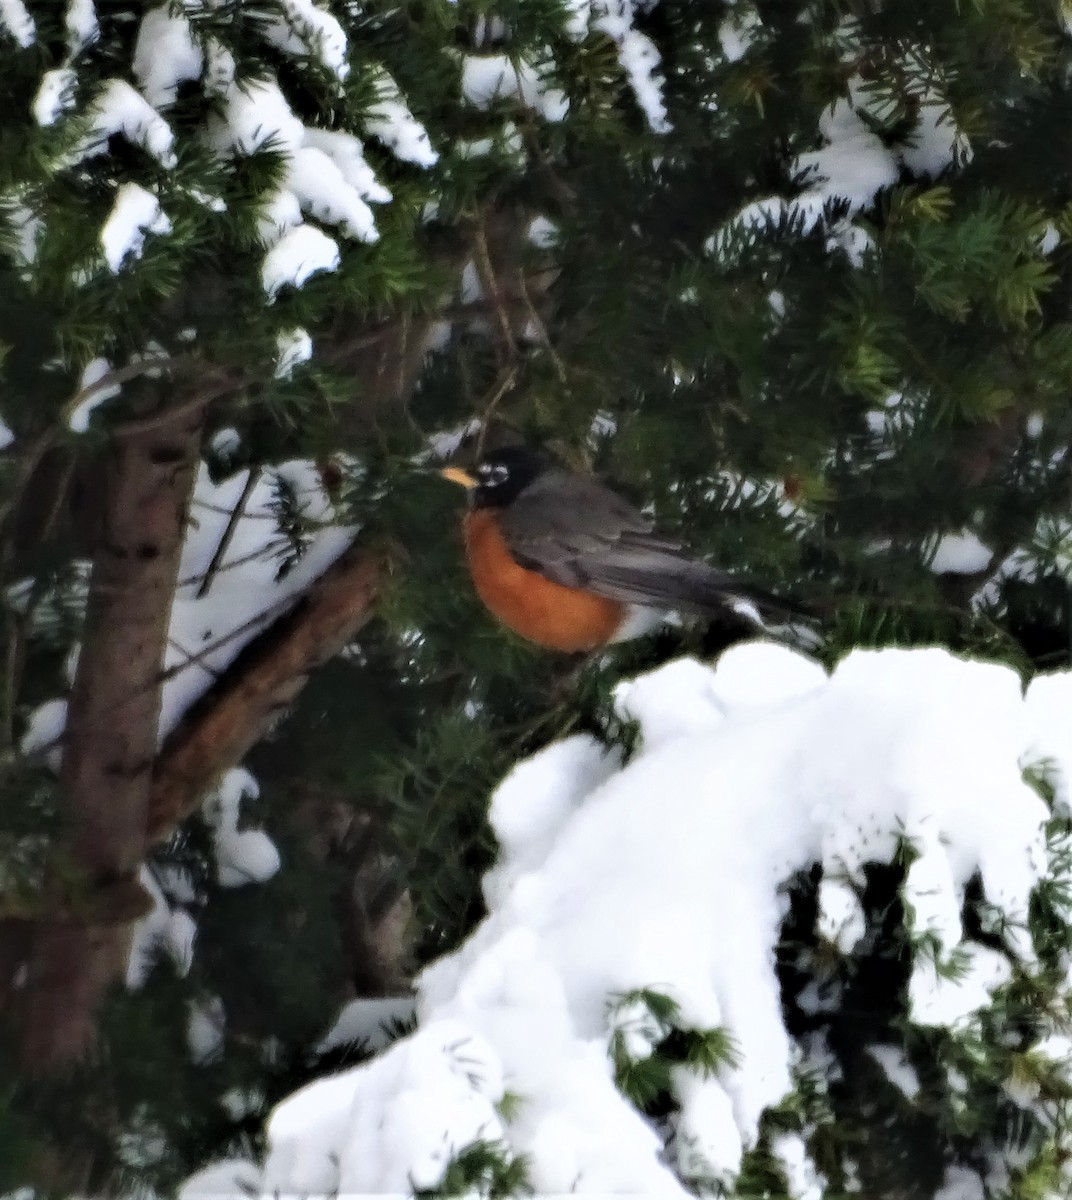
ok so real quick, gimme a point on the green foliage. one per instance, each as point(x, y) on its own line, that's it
point(484, 1168)
point(814, 418)
point(649, 1041)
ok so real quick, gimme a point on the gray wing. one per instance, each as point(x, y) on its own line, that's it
point(575, 531)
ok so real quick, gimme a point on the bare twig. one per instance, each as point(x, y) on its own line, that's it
point(486, 271)
point(229, 531)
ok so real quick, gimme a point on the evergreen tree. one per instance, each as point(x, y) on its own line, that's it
point(795, 272)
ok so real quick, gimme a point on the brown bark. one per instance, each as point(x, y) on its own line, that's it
point(262, 681)
point(80, 944)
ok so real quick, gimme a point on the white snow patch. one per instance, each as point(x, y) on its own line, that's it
point(242, 855)
point(1048, 700)
point(307, 29)
point(226, 442)
point(348, 155)
point(852, 166)
point(490, 77)
point(211, 622)
point(167, 929)
point(256, 115)
point(1050, 240)
point(640, 60)
point(607, 881)
point(44, 732)
point(119, 109)
point(95, 371)
point(16, 19)
point(803, 1182)
point(293, 347)
point(299, 253)
point(961, 1183)
point(323, 192)
point(135, 214)
point(55, 96)
point(390, 121)
point(841, 916)
point(738, 31)
point(446, 1071)
point(205, 1029)
point(230, 1179)
point(80, 22)
point(951, 1001)
point(165, 55)
point(960, 553)
point(368, 1020)
point(897, 1069)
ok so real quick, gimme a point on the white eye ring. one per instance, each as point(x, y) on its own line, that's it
point(493, 473)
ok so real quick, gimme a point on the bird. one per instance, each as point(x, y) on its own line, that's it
point(561, 559)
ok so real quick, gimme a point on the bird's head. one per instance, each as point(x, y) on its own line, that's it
point(499, 475)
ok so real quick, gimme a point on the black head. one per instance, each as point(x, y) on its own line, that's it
point(500, 475)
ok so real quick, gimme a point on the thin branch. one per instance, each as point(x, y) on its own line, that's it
point(229, 531)
point(266, 676)
point(486, 271)
point(545, 337)
point(121, 375)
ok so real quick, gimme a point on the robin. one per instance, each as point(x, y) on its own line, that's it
point(567, 563)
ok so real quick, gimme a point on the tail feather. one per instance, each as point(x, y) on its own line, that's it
point(691, 587)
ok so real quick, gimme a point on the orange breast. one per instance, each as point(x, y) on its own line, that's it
point(560, 618)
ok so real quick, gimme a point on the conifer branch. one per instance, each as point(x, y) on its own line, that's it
point(263, 680)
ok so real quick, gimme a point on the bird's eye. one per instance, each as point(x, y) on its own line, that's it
point(492, 473)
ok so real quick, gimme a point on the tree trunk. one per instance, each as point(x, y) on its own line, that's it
point(80, 944)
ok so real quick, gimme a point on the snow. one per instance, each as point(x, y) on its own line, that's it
point(326, 175)
point(390, 121)
point(348, 155)
point(55, 95)
point(163, 930)
point(307, 29)
point(15, 18)
point(299, 253)
point(293, 347)
point(43, 732)
point(256, 115)
point(323, 191)
point(212, 620)
point(639, 59)
point(738, 31)
point(897, 1069)
point(226, 443)
point(93, 395)
point(852, 166)
point(231, 1177)
point(368, 1020)
point(1048, 700)
point(610, 878)
point(80, 21)
point(490, 77)
point(791, 1155)
point(135, 213)
point(960, 554)
point(205, 1029)
point(211, 623)
point(242, 855)
point(119, 109)
point(165, 55)
point(961, 1183)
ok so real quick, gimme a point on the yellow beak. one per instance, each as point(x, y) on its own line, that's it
point(457, 475)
